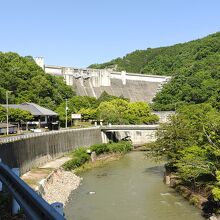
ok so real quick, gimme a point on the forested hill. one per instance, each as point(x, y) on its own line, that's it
point(29, 83)
point(195, 67)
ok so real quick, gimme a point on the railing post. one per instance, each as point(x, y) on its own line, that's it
point(59, 207)
point(0, 181)
point(15, 206)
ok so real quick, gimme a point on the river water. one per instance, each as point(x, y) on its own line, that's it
point(128, 189)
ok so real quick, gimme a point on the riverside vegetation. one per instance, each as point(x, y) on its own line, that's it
point(81, 156)
point(190, 144)
point(191, 141)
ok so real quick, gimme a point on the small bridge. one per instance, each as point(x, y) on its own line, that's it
point(138, 134)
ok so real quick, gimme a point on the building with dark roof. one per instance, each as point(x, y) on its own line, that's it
point(42, 117)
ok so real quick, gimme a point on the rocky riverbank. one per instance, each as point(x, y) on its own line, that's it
point(197, 199)
point(58, 186)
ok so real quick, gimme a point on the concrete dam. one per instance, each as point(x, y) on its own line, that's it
point(92, 82)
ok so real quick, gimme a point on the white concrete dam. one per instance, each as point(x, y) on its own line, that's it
point(92, 82)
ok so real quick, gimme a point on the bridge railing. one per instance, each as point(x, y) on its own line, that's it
point(130, 127)
point(35, 207)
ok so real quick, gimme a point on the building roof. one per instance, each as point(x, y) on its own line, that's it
point(34, 109)
point(4, 125)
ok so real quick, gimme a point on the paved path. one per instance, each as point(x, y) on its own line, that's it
point(34, 176)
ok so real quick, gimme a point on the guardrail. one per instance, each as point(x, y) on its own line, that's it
point(130, 127)
point(31, 135)
point(35, 207)
point(108, 127)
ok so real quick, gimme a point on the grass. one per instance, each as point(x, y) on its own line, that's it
point(98, 163)
point(80, 155)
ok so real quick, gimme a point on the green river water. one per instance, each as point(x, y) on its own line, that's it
point(131, 188)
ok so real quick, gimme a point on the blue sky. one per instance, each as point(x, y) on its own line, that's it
point(81, 32)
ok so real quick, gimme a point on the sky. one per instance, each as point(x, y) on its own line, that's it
point(78, 33)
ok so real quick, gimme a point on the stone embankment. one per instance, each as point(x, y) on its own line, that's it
point(58, 186)
point(52, 182)
point(195, 199)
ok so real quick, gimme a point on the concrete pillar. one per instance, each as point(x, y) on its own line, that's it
point(123, 77)
point(15, 206)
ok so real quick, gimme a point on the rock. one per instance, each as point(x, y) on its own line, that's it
point(167, 179)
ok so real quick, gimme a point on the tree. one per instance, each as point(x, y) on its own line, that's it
point(18, 115)
point(2, 114)
point(29, 83)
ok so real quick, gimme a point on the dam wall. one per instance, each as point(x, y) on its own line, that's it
point(137, 137)
point(35, 151)
point(92, 82)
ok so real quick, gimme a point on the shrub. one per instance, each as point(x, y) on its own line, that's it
point(100, 148)
point(121, 147)
point(80, 156)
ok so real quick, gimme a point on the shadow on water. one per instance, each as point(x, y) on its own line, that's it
point(155, 170)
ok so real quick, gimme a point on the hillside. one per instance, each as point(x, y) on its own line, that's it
point(29, 83)
point(195, 67)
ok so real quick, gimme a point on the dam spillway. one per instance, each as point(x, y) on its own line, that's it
point(92, 82)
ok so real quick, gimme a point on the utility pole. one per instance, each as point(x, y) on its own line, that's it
point(7, 131)
point(66, 113)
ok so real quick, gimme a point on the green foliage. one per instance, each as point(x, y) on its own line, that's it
point(80, 155)
point(120, 147)
point(29, 83)
point(18, 115)
point(194, 66)
point(88, 113)
point(191, 145)
point(2, 114)
point(216, 193)
point(15, 115)
point(114, 111)
point(77, 104)
point(196, 162)
point(100, 148)
point(216, 188)
point(120, 111)
point(105, 97)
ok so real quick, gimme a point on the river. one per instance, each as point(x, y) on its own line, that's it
point(131, 188)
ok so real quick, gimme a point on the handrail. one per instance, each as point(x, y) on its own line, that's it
point(34, 206)
point(129, 127)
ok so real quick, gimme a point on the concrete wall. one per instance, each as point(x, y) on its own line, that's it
point(92, 82)
point(35, 151)
point(138, 137)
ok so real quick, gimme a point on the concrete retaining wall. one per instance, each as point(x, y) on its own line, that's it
point(138, 137)
point(35, 151)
